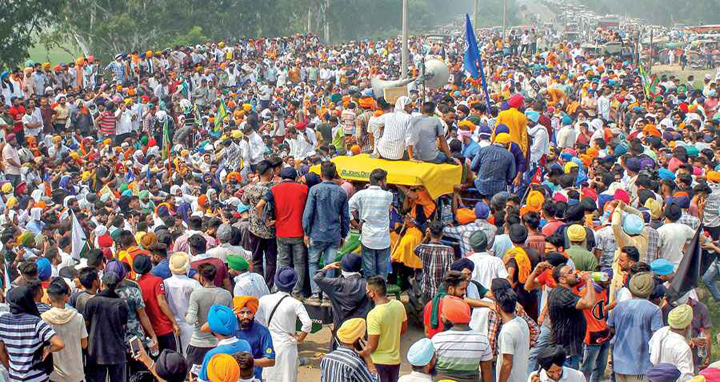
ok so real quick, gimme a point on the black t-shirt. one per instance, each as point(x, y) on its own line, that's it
point(568, 323)
point(326, 131)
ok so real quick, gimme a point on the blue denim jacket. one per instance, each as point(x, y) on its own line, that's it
point(327, 216)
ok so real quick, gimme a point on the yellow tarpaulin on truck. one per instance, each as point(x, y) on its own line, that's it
point(438, 179)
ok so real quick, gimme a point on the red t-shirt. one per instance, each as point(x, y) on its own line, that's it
point(17, 112)
point(427, 315)
point(289, 198)
point(220, 266)
point(152, 286)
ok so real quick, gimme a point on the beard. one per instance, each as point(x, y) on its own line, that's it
point(245, 324)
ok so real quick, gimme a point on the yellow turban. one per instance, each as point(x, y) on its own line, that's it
point(503, 138)
point(85, 176)
point(222, 367)
point(7, 188)
point(107, 141)
point(569, 166)
point(11, 202)
point(535, 201)
point(247, 107)
point(351, 330)
point(680, 317)
point(713, 176)
point(576, 233)
point(236, 134)
point(655, 208)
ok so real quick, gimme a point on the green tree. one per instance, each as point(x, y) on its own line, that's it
point(21, 21)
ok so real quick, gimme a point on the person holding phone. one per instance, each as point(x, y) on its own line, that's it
point(351, 360)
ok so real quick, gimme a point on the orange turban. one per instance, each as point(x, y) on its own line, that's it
point(202, 200)
point(251, 302)
point(456, 310)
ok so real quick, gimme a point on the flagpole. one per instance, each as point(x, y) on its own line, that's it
point(405, 53)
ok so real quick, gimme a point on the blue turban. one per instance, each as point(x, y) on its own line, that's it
point(682, 201)
point(285, 279)
point(482, 211)
point(620, 150)
point(633, 224)
point(532, 115)
point(222, 320)
point(663, 372)
point(662, 267)
point(566, 120)
point(421, 352)
point(352, 262)
point(117, 268)
point(502, 128)
point(464, 263)
point(44, 269)
point(666, 174)
point(485, 130)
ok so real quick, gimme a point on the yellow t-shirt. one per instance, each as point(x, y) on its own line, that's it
point(386, 321)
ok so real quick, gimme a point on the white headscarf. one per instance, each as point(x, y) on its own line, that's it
point(401, 102)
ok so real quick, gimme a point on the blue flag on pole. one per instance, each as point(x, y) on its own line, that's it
point(472, 54)
point(473, 61)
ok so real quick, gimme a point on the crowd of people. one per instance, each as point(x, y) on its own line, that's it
point(177, 214)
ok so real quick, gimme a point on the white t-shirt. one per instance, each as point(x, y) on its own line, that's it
point(514, 338)
point(673, 237)
point(487, 268)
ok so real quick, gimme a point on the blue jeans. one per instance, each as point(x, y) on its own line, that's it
point(375, 261)
point(709, 279)
point(595, 361)
point(439, 159)
point(542, 342)
point(327, 251)
point(573, 361)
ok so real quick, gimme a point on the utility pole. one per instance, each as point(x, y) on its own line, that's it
point(504, 19)
point(475, 14)
point(405, 53)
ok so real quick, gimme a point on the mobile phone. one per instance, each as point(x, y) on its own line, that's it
point(135, 346)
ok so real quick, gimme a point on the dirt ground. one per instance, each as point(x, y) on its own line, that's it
point(316, 345)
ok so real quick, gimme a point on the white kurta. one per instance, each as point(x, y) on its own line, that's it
point(669, 347)
point(178, 289)
point(282, 330)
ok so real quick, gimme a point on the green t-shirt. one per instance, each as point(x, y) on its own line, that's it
point(583, 259)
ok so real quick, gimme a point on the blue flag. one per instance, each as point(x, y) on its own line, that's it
point(473, 61)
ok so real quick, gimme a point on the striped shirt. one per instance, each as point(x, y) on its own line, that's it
point(22, 335)
point(459, 353)
point(463, 232)
point(396, 135)
point(107, 123)
point(345, 365)
point(373, 207)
